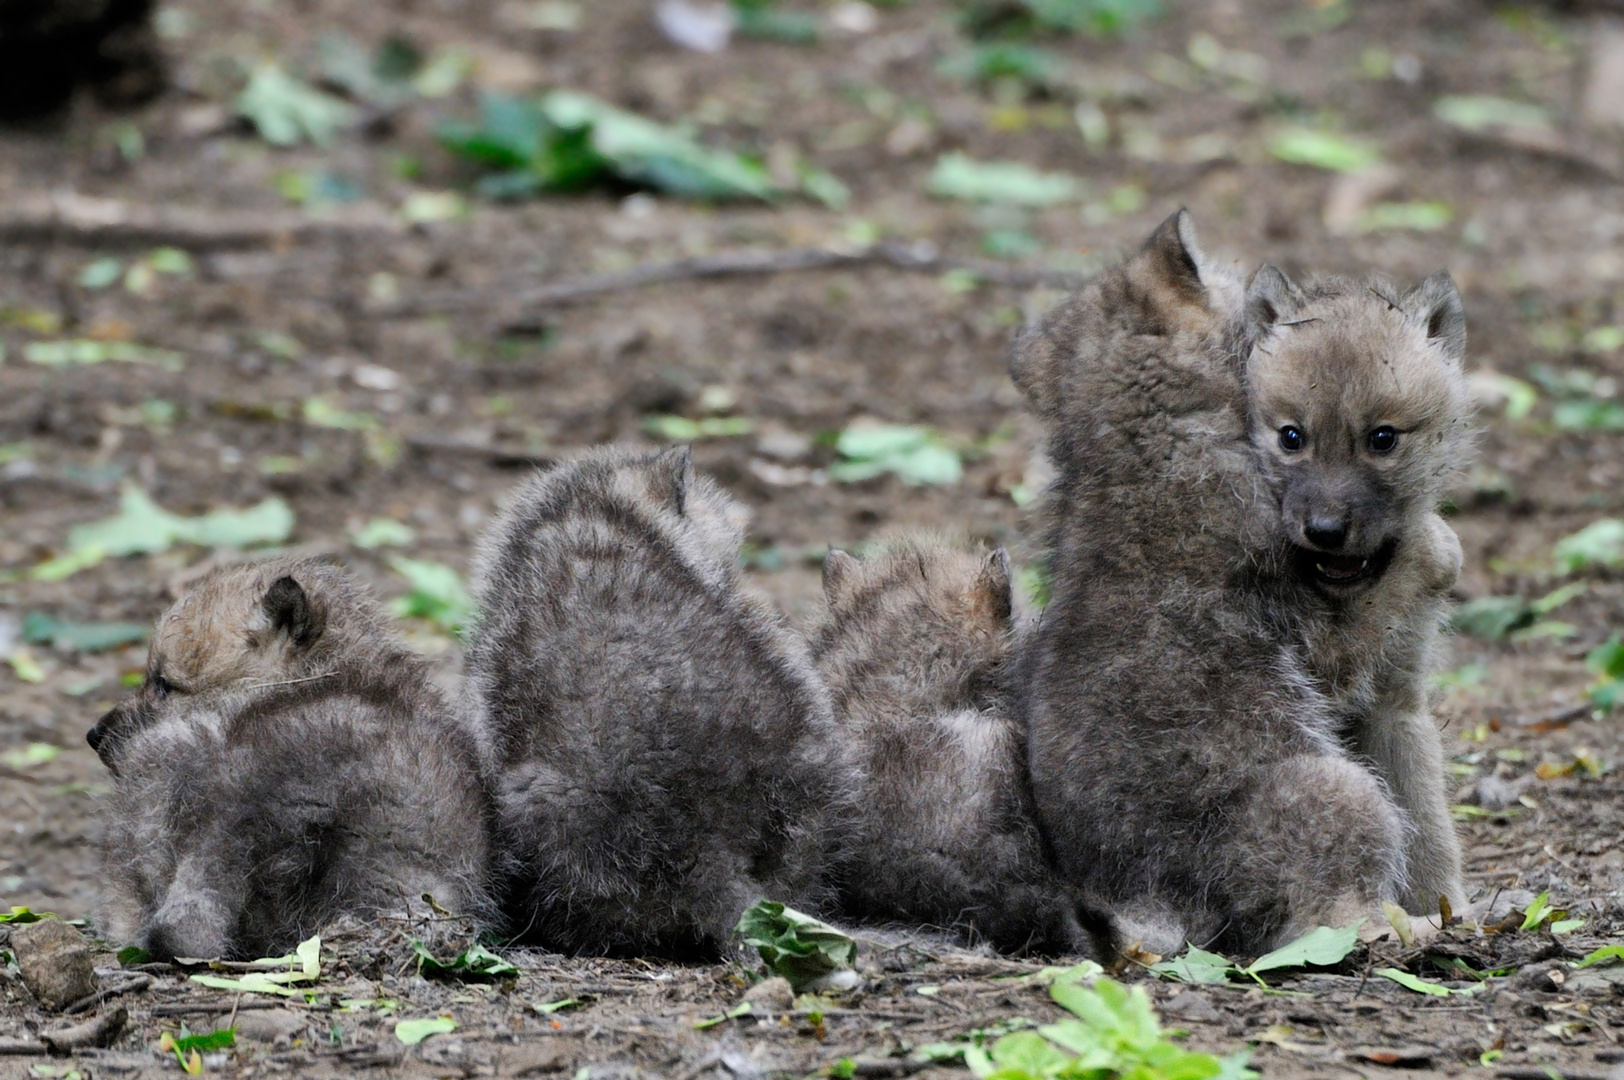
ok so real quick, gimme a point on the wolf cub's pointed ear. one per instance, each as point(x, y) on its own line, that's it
point(1271, 299)
point(1435, 303)
point(839, 575)
point(670, 477)
point(1174, 254)
point(292, 613)
point(993, 586)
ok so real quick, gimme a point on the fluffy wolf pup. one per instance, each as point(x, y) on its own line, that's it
point(667, 753)
point(913, 646)
point(285, 762)
point(1359, 408)
point(1185, 758)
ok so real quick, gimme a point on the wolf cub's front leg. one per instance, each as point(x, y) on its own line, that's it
point(1400, 738)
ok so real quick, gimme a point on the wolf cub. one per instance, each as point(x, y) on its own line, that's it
point(1360, 412)
point(1188, 691)
point(286, 761)
point(914, 646)
point(667, 754)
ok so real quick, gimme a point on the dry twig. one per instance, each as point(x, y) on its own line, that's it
point(69, 218)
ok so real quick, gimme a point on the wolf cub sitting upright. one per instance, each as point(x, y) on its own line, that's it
point(667, 753)
point(1359, 408)
point(1187, 751)
point(285, 761)
point(914, 646)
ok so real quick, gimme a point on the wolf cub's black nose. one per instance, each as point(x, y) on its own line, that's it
point(1328, 534)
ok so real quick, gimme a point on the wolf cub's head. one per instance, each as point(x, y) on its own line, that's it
point(239, 629)
point(1359, 405)
point(939, 614)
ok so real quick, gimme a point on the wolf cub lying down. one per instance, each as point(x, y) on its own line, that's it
point(1226, 697)
point(286, 761)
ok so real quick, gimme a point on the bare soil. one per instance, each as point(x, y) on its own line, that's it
point(1535, 244)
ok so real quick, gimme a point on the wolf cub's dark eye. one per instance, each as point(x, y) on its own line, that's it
point(159, 686)
point(1291, 439)
point(1383, 440)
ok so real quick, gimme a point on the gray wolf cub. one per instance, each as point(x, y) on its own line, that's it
point(667, 753)
point(1189, 690)
point(914, 647)
point(286, 761)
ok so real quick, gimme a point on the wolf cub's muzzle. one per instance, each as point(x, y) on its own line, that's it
point(1337, 572)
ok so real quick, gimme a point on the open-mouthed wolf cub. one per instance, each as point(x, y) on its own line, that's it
point(1226, 696)
point(286, 761)
point(914, 646)
point(666, 752)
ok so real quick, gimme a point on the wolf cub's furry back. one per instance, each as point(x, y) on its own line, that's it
point(285, 761)
point(666, 749)
point(914, 645)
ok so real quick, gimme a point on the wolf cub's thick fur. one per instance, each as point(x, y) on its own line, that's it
point(667, 752)
point(1359, 407)
point(1203, 659)
point(285, 761)
point(914, 646)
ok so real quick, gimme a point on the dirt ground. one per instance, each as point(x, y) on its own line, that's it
point(265, 324)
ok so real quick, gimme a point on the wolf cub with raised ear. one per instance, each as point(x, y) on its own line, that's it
point(1359, 407)
point(286, 761)
point(1185, 690)
point(667, 754)
point(914, 646)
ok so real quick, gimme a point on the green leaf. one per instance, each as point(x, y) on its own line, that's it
point(36, 753)
point(100, 273)
point(251, 983)
point(1008, 183)
point(474, 964)
point(1599, 544)
point(1320, 947)
point(83, 351)
point(1604, 955)
point(662, 158)
point(21, 915)
point(288, 111)
point(24, 666)
point(1026, 1053)
point(1005, 60)
point(1537, 912)
point(412, 1032)
point(548, 1007)
point(1413, 982)
point(131, 955)
point(1591, 414)
point(143, 527)
point(1477, 113)
point(41, 629)
point(1323, 150)
point(1412, 216)
point(681, 429)
point(1195, 966)
point(1566, 926)
point(1607, 659)
point(383, 532)
point(743, 1008)
point(793, 944)
point(763, 22)
point(437, 594)
point(221, 1039)
point(914, 454)
point(1048, 976)
point(1491, 618)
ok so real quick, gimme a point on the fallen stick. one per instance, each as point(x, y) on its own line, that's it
point(70, 218)
point(134, 982)
point(21, 1047)
point(921, 257)
point(102, 1031)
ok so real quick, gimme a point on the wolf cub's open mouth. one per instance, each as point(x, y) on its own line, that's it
point(1337, 571)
